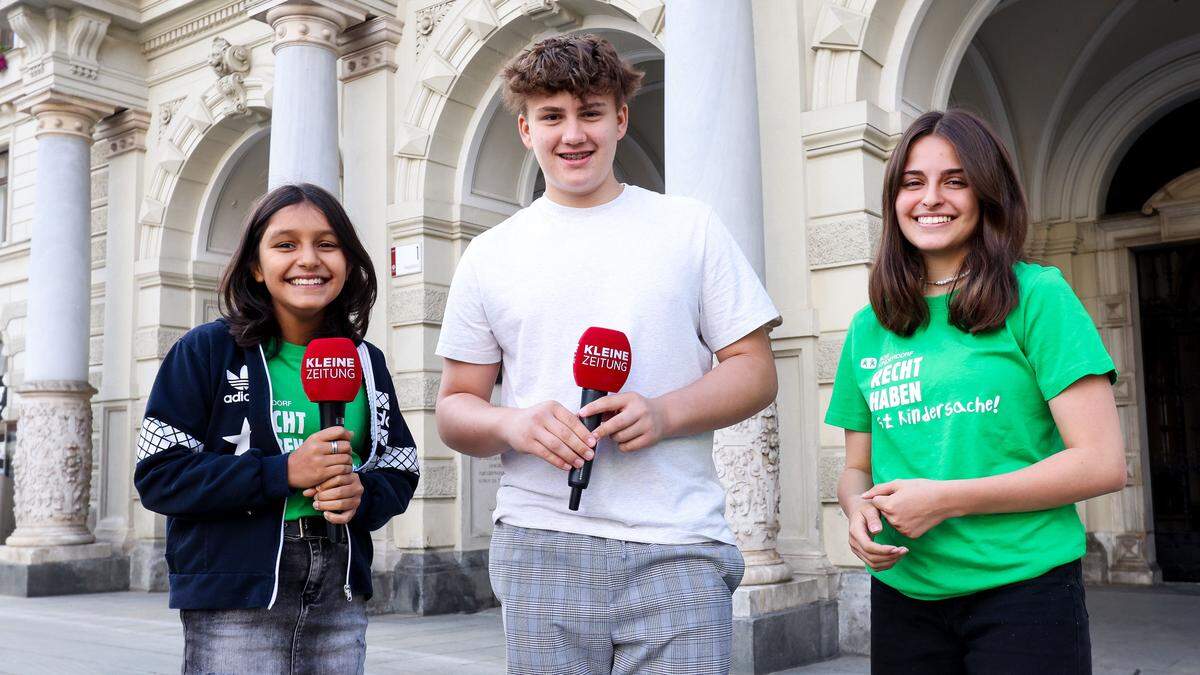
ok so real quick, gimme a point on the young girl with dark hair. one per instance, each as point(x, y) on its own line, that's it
point(977, 402)
point(268, 516)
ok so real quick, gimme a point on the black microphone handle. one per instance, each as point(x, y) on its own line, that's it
point(578, 478)
point(333, 414)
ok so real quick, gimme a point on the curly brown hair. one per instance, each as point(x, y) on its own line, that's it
point(584, 65)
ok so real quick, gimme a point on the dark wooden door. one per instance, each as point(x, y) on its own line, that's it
point(1169, 291)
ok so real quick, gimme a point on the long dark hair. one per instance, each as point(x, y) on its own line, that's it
point(245, 302)
point(989, 292)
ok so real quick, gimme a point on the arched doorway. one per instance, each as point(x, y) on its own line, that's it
point(1097, 125)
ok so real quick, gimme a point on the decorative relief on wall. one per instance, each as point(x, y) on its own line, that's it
point(161, 42)
point(839, 28)
point(428, 20)
point(231, 63)
point(747, 461)
point(166, 113)
point(551, 14)
point(53, 465)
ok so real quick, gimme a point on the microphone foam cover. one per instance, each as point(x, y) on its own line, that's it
point(602, 359)
point(329, 371)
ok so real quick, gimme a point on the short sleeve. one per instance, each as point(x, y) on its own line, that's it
point(847, 408)
point(466, 333)
point(733, 302)
point(1061, 342)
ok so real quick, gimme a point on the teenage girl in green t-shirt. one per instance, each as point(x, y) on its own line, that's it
point(977, 402)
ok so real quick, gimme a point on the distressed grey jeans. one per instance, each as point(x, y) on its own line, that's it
point(312, 628)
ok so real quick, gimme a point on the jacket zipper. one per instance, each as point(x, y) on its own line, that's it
point(364, 358)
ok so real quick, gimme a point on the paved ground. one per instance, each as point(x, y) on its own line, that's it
point(1134, 631)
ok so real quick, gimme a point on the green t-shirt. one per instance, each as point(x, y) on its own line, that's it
point(944, 404)
point(295, 418)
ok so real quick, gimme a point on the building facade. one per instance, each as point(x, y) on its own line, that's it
point(134, 134)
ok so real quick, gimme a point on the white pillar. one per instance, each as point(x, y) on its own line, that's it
point(53, 463)
point(711, 134)
point(712, 154)
point(304, 115)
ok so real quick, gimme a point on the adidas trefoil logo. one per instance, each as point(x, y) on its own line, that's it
point(239, 383)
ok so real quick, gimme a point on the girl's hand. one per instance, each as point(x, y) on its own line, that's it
point(322, 456)
point(637, 422)
point(864, 525)
point(913, 506)
point(338, 497)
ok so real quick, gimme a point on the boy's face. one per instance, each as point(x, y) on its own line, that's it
point(574, 142)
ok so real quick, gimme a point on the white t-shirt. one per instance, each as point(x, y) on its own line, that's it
point(661, 269)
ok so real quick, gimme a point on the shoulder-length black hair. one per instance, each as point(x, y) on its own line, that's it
point(245, 302)
point(988, 293)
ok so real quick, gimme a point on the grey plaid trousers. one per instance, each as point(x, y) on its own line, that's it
point(576, 604)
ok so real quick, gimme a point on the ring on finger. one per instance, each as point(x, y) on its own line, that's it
point(333, 447)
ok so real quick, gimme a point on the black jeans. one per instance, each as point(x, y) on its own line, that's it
point(1034, 626)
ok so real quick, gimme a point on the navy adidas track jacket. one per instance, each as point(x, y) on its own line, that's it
point(209, 460)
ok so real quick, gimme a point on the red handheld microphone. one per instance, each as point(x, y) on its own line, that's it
point(602, 362)
point(331, 377)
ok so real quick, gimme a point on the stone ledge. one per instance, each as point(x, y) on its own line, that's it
point(779, 640)
point(435, 582)
point(64, 577)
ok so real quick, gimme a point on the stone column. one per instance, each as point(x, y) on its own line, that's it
point(122, 142)
point(53, 463)
point(304, 115)
point(715, 157)
point(710, 67)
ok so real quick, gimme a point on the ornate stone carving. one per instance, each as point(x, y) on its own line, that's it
point(305, 25)
point(85, 32)
point(428, 20)
point(839, 28)
point(124, 132)
point(369, 47)
point(161, 42)
point(550, 14)
point(231, 63)
point(166, 113)
point(747, 460)
point(53, 464)
point(75, 35)
point(64, 118)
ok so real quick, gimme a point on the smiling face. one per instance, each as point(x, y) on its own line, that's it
point(936, 207)
point(574, 142)
point(301, 262)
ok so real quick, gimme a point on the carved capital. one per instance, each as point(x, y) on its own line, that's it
point(123, 133)
point(53, 464)
point(369, 47)
point(65, 117)
point(305, 25)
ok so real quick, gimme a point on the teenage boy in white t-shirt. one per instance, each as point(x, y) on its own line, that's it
point(640, 577)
